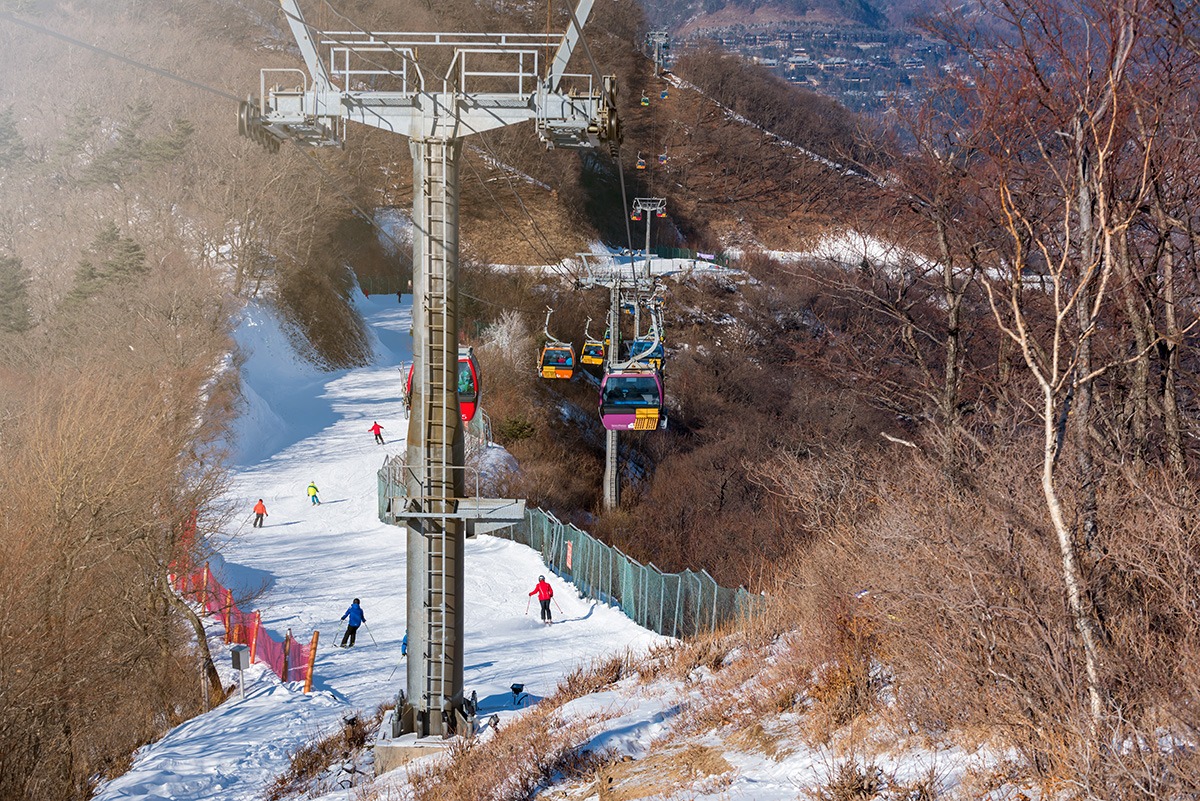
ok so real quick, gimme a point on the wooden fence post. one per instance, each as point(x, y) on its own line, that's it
point(287, 647)
point(228, 615)
point(254, 636)
point(312, 658)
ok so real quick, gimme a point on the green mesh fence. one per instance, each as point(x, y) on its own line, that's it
point(674, 604)
point(684, 253)
point(391, 488)
point(380, 285)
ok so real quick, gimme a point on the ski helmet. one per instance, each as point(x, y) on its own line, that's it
point(541, 578)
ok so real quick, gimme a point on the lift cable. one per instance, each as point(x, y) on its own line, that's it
point(235, 98)
point(557, 262)
point(118, 57)
point(617, 145)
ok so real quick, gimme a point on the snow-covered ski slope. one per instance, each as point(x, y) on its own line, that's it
point(300, 425)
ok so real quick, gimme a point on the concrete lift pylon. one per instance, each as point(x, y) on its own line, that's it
point(515, 84)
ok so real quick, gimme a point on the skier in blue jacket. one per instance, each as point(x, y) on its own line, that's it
point(356, 618)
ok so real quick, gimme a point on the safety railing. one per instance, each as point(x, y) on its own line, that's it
point(683, 253)
point(672, 604)
point(289, 658)
point(393, 479)
point(359, 58)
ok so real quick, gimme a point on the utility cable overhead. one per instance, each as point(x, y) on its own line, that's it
point(361, 30)
point(195, 84)
point(118, 57)
point(312, 160)
point(504, 212)
point(557, 263)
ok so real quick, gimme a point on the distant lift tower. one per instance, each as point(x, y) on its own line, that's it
point(490, 80)
point(658, 47)
point(635, 283)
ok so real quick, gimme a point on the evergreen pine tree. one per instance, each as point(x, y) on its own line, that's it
point(111, 258)
point(81, 127)
point(12, 146)
point(14, 295)
point(168, 148)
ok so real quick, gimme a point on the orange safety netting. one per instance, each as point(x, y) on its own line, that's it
point(290, 660)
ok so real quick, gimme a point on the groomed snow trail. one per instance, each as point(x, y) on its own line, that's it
point(309, 562)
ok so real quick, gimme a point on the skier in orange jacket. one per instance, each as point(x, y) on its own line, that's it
point(260, 511)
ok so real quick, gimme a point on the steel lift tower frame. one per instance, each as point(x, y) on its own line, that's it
point(658, 42)
point(602, 270)
point(492, 80)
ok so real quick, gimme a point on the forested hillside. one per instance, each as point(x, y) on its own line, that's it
point(961, 463)
point(133, 224)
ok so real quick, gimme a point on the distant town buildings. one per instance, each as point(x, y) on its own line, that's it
point(868, 70)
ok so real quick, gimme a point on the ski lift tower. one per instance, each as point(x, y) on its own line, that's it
point(651, 207)
point(647, 207)
point(659, 45)
point(435, 89)
point(602, 270)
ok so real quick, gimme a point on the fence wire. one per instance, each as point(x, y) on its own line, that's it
point(673, 604)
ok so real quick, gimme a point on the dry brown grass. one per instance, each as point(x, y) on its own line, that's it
point(309, 761)
point(663, 773)
point(527, 752)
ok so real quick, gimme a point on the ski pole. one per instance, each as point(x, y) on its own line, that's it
point(243, 525)
point(556, 606)
point(369, 634)
point(528, 601)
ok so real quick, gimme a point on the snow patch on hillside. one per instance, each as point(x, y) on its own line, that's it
point(850, 249)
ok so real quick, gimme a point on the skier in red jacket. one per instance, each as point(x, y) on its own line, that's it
point(544, 593)
point(377, 430)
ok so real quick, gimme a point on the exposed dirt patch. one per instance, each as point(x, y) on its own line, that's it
point(660, 774)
